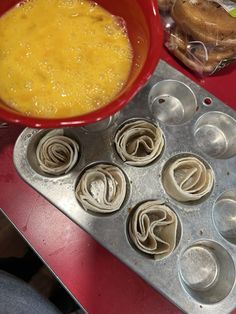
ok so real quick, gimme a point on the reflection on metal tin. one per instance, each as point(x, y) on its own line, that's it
point(199, 268)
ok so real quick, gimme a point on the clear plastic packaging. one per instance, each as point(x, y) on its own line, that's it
point(200, 33)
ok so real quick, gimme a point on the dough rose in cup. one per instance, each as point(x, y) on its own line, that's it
point(101, 189)
point(56, 153)
point(187, 179)
point(139, 143)
point(153, 229)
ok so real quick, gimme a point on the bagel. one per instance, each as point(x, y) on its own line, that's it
point(195, 66)
point(165, 5)
point(209, 53)
point(196, 56)
point(214, 55)
point(205, 21)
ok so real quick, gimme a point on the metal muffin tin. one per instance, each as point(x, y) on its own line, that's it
point(199, 276)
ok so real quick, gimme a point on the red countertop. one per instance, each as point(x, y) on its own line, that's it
point(99, 281)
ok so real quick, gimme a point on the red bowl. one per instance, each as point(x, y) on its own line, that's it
point(146, 36)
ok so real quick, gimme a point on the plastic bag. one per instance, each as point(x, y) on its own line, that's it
point(200, 33)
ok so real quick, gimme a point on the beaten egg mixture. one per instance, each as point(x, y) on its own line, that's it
point(62, 58)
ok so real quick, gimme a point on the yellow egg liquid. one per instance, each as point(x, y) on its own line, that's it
point(61, 58)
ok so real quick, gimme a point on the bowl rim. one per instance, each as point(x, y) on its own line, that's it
point(114, 106)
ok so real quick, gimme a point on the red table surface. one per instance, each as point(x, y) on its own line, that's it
point(98, 280)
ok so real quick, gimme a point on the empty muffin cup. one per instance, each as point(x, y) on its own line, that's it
point(215, 134)
point(207, 272)
point(224, 215)
point(172, 102)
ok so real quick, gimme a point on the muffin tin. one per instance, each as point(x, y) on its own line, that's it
point(199, 275)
